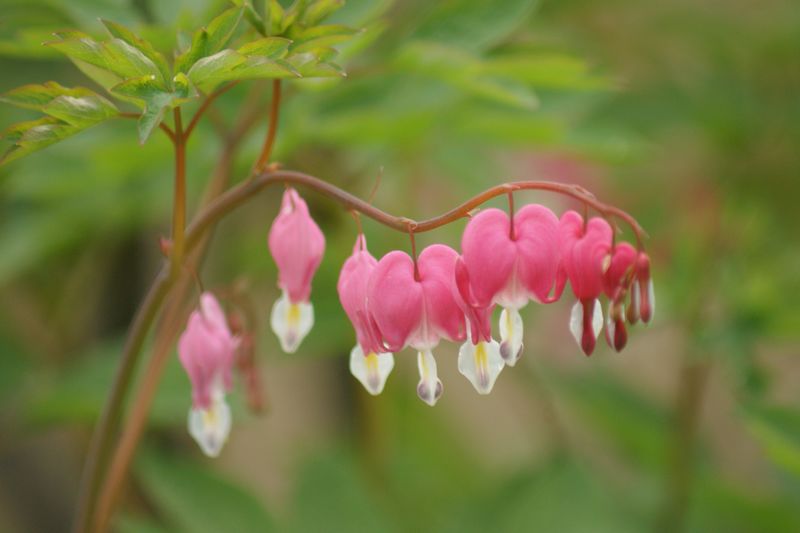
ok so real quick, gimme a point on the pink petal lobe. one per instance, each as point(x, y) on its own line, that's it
point(352, 287)
point(584, 252)
point(395, 299)
point(537, 231)
point(489, 253)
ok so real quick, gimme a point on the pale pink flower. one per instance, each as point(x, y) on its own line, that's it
point(509, 268)
point(616, 281)
point(585, 256)
point(417, 309)
point(206, 350)
point(297, 245)
point(370, 363)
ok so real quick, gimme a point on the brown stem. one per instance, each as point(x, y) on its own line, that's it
point(179, 200)
point(205, 105)
point(272, 128)
point(166, 129)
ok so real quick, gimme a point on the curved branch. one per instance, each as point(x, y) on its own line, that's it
point(244, 191)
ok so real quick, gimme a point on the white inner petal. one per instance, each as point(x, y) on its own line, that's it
point(481, 364)
point(371, 370)
point(576, 322)
point(611, 326)
point(510, 335)
point(429, 388)
point(651, 294)
point(597, 318)
point(291, 322)
point(210, 427)
point(636, 301)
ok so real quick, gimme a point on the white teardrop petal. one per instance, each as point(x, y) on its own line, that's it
point(576, 322)
point(429, 388)
point(510, 335)
point(371, 370)
point(291, 322)
point(481, 364)
point(597, 318)
point(651, 294)
point(210, 427)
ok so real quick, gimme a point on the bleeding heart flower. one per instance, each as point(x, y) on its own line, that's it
point(644, 298)
point(417, 309)
point(479, 358)
point(297, 245)
point(585, 257)
point(369, 361)
point(510, 265)
point(206, 350)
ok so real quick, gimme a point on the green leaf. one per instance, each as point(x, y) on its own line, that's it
point(230, 65)
point(552, 71)
point(474, 24)
point(275, 15)
point(192, 498)
point(115, 56)
point(69, 111)
point(81, 112)
point(309, 65)
point(210, 40)
point(121, 32)
point(321, 37)
point(36, 96)
point(320, 10)
point(269, 47)
point(252, 16)
point(154, 99)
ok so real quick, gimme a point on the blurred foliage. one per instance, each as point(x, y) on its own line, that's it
point(685, 113)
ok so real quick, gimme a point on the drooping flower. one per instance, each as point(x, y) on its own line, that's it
point(206, 350)
point(509, 266)
point(479, 358)
point(617, 280)
point(297, 245)
point(585, 257)
point(416, 307)
point(370, 363)
point(645, 296)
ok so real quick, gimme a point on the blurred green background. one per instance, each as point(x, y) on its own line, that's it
point(686, 113)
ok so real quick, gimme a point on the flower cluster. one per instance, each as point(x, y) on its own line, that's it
point(400, 301)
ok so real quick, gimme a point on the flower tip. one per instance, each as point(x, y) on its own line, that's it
point(480, 363)
point(372, 370)
point(291, 322)
point(429, 388)
point(210, 427)
point(430, 394)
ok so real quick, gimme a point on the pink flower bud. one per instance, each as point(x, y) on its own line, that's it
point(206, 350)
point(646, 295)
point(297, 245)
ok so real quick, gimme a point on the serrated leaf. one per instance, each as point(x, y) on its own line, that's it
point(69, 111)
point(269, 47)
point(115, 56)
point(274, 17)
point(261, 68)
point(81, 111)
point(321, 37)
point(308, 65)
point(210, 71)
point(121, 32)
point(154, 98)
point(36, 96)
point(320, 10)
point(252, 16)
point(210, 40)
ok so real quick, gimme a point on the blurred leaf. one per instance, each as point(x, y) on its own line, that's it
point(252, 16)
point(133, 524)
point(333, 495)
point(473, 24)
point(320, 37)
point(193, 499)
point(778, 431)
point(551, 71)
point(319, 10)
